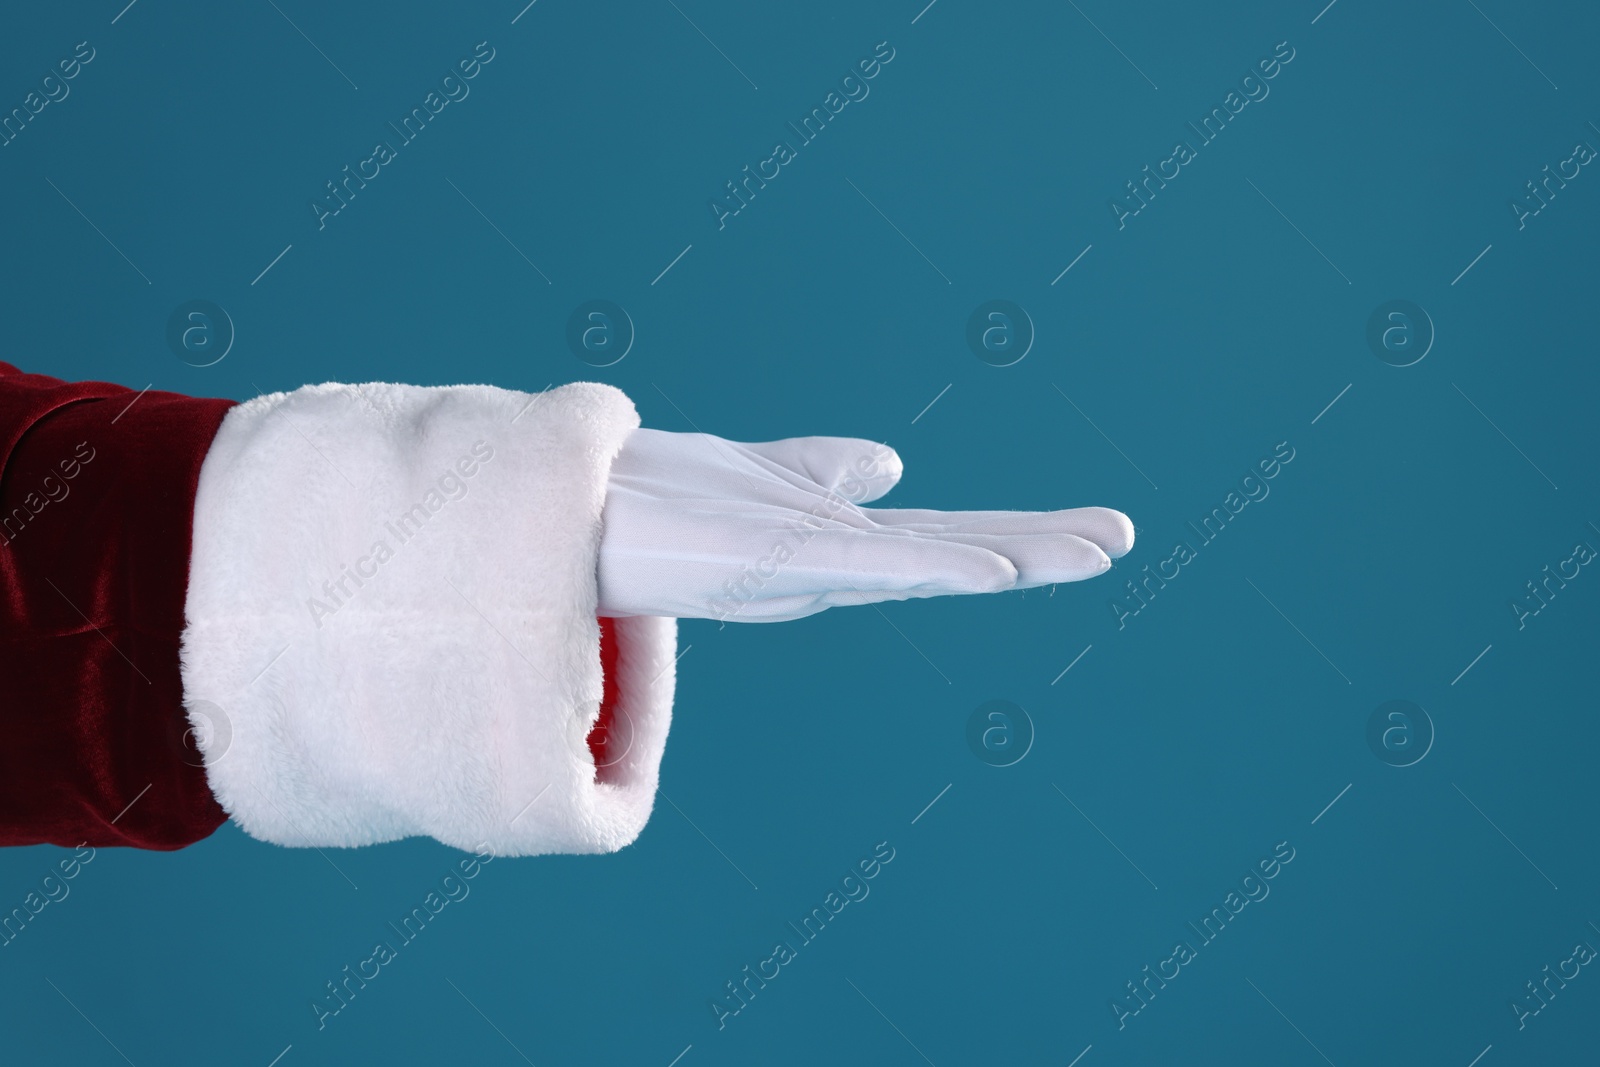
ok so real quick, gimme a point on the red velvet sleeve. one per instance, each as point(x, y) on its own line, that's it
point(97, 486)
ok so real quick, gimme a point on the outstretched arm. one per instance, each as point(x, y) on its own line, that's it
point(345, 615)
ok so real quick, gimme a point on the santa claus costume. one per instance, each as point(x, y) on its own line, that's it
point(351, 614)
point(318, 613)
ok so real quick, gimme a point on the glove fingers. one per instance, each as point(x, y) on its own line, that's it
point(860, 470)
point(848, 562)
point(1042, 558)
point(1111, 530)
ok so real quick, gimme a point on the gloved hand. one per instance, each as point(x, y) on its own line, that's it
point(698, 527)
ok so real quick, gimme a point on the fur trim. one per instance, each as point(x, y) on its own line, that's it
point(391, 621)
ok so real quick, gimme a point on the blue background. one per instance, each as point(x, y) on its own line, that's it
point(1219, 721)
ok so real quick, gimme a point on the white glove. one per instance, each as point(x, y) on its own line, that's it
point(698, 527)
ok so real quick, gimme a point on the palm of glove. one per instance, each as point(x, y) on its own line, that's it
point(696, 526)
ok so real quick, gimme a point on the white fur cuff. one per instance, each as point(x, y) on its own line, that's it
point(391, 621)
